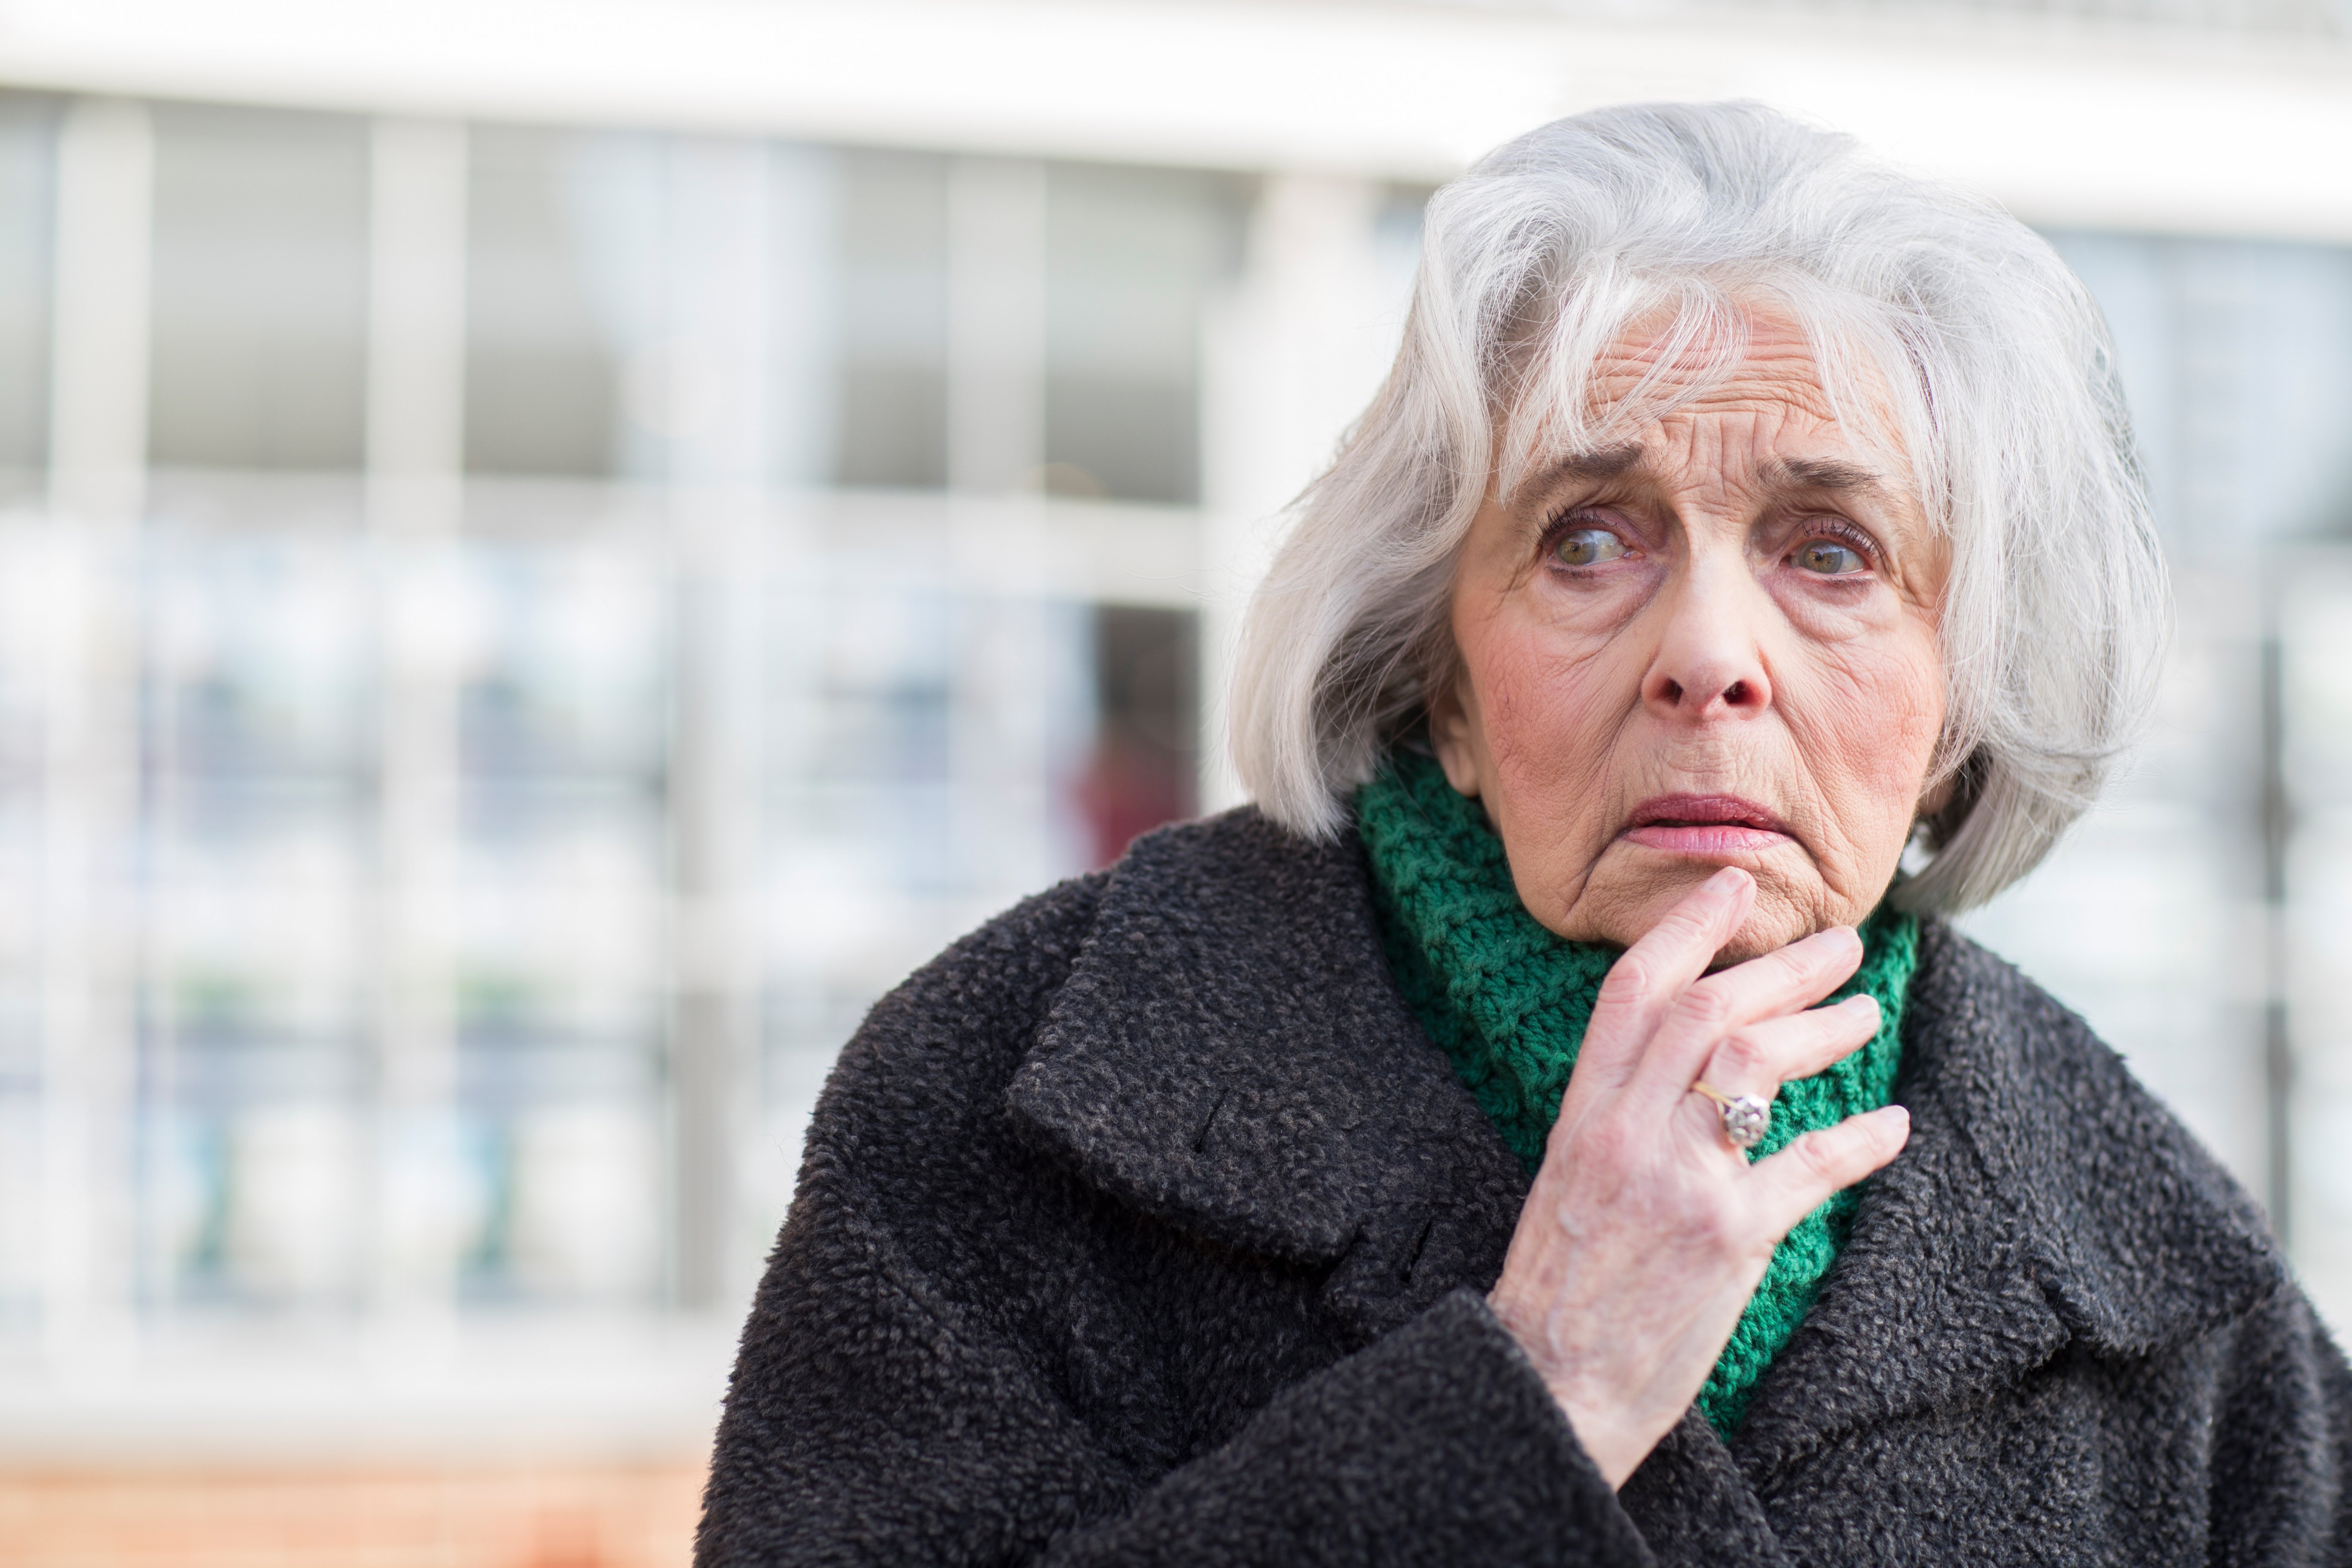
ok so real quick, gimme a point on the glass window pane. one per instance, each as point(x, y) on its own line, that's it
point(28, 151)
point(894, 323)
point(260, 289)
point(559, 945)
point(252, 1030)
point(564, 251)
point(1132, 256)
point(1145, 766)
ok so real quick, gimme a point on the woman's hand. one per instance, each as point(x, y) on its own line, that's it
point(1646, 1232)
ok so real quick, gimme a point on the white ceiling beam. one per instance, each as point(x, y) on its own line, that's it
point(2180, 133)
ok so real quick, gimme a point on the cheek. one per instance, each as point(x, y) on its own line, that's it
point(1549, 699)
point(1867, 713)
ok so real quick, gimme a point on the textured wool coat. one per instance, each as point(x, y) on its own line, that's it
point(1146, 1227)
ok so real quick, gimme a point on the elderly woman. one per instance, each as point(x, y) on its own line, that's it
point(1555, 1124)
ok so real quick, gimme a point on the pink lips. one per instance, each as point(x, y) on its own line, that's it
point(1714, 826)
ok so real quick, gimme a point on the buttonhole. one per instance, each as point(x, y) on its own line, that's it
point(1413, 1253)
point(1200, 1139)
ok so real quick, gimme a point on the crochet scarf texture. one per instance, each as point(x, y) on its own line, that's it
point(1508, 1001)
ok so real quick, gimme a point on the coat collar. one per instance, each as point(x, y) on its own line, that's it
point(2044, 1199)
point(1230, 1056)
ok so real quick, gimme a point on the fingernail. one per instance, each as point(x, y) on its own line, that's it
point(1727, 879)
point(1864, 998)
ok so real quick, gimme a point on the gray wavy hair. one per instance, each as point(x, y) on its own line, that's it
point(2003, 396)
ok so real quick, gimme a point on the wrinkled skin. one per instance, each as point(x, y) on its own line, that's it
point(1699, 692)
point(1714, 654)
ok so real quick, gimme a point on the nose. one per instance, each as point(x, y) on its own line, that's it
point(1709, 662)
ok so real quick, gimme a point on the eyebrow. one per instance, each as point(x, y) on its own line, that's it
point(1805, 473)
point(1824, 474)
point(1599, 463)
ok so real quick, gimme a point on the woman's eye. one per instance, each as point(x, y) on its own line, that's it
point(1829, 558)
point(1587, 546)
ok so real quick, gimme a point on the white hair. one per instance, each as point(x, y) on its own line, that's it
point(1931, 311)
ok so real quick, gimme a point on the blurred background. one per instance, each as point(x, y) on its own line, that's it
point(548, 553)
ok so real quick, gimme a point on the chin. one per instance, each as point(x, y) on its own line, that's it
point(1758, 937)
point(1621, 903)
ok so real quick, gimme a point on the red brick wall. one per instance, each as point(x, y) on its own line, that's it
point(638, 1517)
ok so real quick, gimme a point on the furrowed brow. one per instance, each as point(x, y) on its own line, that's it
point(1600, 463)
point(1825, 474)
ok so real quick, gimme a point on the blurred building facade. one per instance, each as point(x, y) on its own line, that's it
point(521, 616)
point(555, 623)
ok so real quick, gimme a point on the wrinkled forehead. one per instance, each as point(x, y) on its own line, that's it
point(1630, 386)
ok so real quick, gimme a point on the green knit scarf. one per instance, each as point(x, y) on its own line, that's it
point(1507, 1001)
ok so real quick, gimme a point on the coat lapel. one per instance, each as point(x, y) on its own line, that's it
point(2045, 1198)
point(1231, 1056)
point(1694, 1507)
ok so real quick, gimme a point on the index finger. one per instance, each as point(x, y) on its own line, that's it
point(1708, 1013)
point(1647, 977)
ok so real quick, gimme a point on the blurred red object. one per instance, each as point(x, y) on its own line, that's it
point(1146, 719)
point(1129, 790)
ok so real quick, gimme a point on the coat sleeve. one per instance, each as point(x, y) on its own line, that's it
point(876, 1417)
point(2279, 1466)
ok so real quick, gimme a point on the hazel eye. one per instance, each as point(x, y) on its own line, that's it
point(1587, 547)
point(1829, 558)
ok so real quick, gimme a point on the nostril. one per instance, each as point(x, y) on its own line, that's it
point(1674, 693)
point(1736, 693)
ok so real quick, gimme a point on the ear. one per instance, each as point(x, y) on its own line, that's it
point(1943, 808)
point(1454, 735)
point(1933, 802)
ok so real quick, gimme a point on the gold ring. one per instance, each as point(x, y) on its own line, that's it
point(1746, 1118)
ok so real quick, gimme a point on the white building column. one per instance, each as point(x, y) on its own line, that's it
point(1289, 363)
point(98, 454)
point(722, 387)
point(2314, 622)
point(416, 434)
point(98, 358)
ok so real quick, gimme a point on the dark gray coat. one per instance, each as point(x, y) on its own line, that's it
point(1146, 1227)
